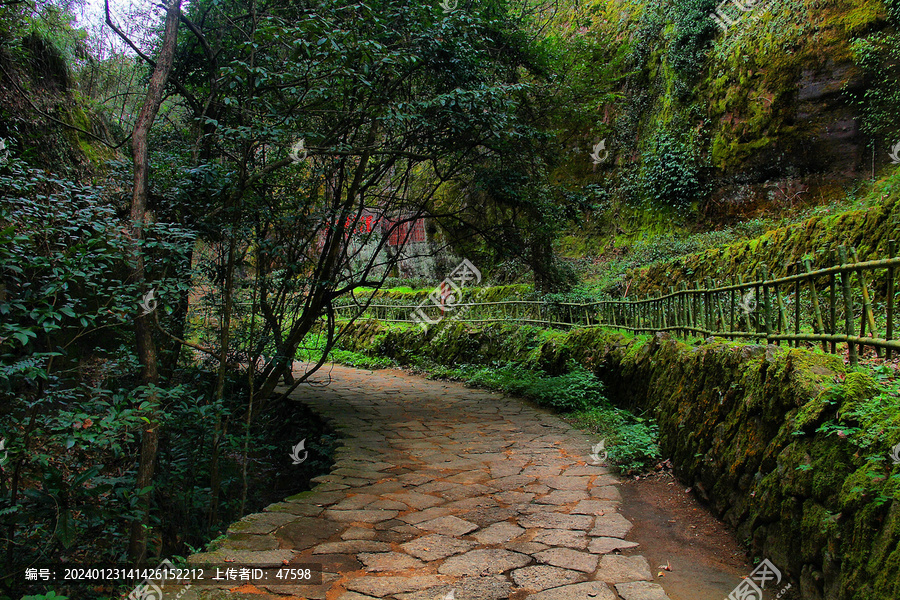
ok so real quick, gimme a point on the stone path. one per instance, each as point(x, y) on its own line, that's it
point(441, 492)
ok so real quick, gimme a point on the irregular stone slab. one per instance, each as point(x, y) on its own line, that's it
point(560, 497)
point(498, 533)
point(537, 488)
point(317, 498)
point(603, 545)
point(568, 538)
point(355, 502)
point(473, 504)
point(245, 541)
point(267, 558)
point(360, 516)
point(459, 491)
point(554, 520)
point(469, 588)
point(641, 590)
point(483, 562)
point(542, 577)
point(360, 473)
point(605, 480)
point(607, 492)
point(470, 477)
point(389, 561)
point(541, 472)
point(587, 470)
point(383, 487)
point(488, 516)
point(306, 532)
point(295, 508)
point(351, 547)
point(333, 487)
point(358, 533)
point(416, 500)
point(425, 515)
point(380, 587)
point(568, 559)
point(388, 525)
point(261, 523)
point(514, 497)
point(529, 548)
point(623, 569)
point(355, 596)
point(566, 483)
point(590, 590)
point(449, 525)
point(612, 525)
point(593, 507)
point(436, 547)
point(385, 504)
point(435, 486)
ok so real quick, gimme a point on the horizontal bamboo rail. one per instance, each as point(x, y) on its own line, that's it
point(804, 306)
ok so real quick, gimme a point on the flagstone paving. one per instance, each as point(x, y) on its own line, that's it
point(444, 492)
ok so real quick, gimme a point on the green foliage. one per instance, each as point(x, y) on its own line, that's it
point(574, 391)
point(671, 176)
point(632, 441)
point(869, 415)
point(691, 40)
point(878, 55)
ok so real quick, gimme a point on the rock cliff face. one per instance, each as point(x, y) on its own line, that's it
point(45, 120)
point(764, 115)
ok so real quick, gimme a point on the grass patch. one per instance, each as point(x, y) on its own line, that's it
point(361, 361)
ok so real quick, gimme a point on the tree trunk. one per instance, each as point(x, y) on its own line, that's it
point(145, 346)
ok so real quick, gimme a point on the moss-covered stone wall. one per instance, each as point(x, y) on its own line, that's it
point(740, 426)
point(868, 230)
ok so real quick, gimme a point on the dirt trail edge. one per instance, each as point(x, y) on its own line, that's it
point(441, 492)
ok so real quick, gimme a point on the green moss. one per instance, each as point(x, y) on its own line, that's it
point(858, 387)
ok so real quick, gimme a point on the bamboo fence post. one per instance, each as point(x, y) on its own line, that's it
point(721, 312)
point(867, 306)
point(833, 288)
point(670, 308)
point(818, 326)
point(848, 308)
point(731, 308)
point(707, 301)
point(698, 309)
point(892, 252)
point(797, 305)
point(761, 319)
point(673, 318)
point(692, 311)
point(782, 326)
point(767, 309)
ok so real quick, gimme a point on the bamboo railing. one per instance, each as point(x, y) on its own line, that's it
point(849, 304)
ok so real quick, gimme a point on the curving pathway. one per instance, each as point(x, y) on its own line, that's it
point(443, 492)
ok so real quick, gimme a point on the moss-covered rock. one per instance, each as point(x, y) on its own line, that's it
point(869, 231)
